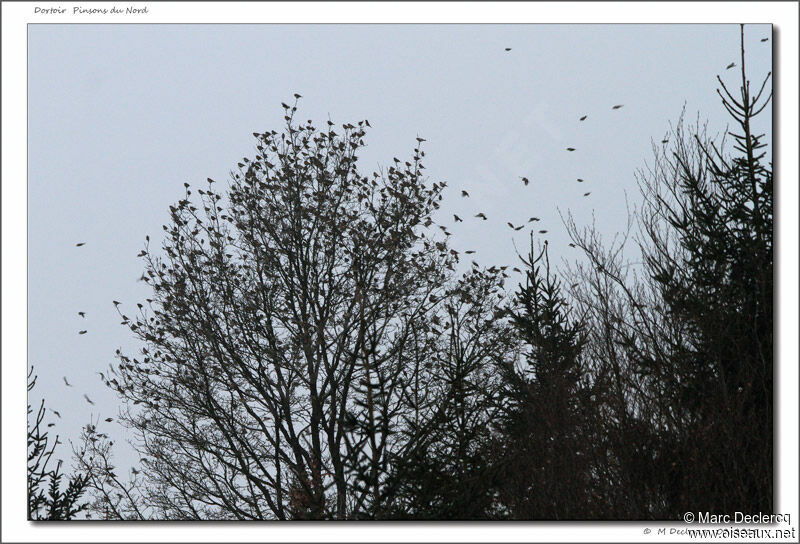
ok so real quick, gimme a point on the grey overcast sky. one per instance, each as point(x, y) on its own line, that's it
point(120, 116)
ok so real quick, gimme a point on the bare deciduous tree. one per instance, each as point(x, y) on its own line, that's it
point(293, 335)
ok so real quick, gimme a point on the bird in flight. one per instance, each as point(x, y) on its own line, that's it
point(731, 65)
point(464, 194)
point(618, 106)
point(87, 398)
point(570, 149)
point(66, 382)
point(457, 218)
point(82, 332)
point(298, 95)
point(583, 118)
point(109, 419)
point(587, 194)
point(533, 219)
point(79, 244)
point(481, 215)
point(82, 314)
point(526, 181)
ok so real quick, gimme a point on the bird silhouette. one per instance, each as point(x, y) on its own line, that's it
point(82, 332)
point(570, 149)
point(584, 118)
point(731, 65)
point(464, 194)
point(79, 244)
point(87, 398)
point(587, 194)
point(457, 218)
point(298, 95)
point(571, 244)
point(470, 251)
point(66, 382)
point(109, 419)
point(508, 49)
point(526, 181)
point(82, 314)
point(543, 231)
point(135, 472)
point(618, 106)
point(116, 302)
point(533, 219)
point(481, 215)
point(764, 39)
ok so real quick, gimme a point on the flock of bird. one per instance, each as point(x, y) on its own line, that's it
point(80, 332)
point(464, 194)
point(526, 181)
